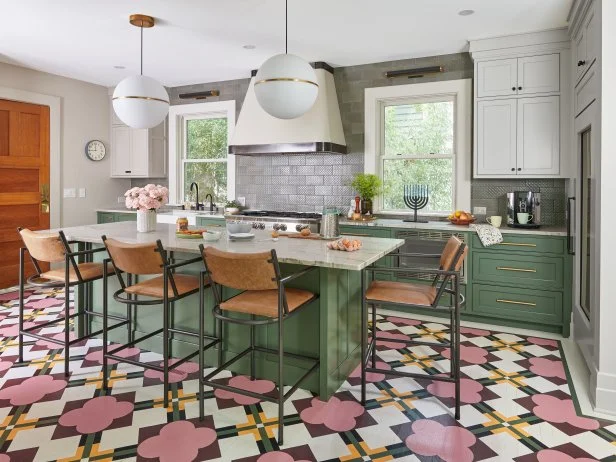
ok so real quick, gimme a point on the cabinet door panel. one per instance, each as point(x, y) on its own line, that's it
point(539, 74)
point(538, 136)
point(592, 40)
point(120, 151)
point(496, 137)
point(497, 78)
point(139, 151)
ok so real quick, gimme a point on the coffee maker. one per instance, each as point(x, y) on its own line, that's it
point(524, 202)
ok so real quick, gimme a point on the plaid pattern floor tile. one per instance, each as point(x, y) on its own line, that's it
point(516, 405)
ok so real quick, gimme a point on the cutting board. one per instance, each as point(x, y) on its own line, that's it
point(299, 236)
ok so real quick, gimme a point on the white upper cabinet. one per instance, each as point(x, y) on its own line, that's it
point(586, 44)
point(538, 136)
point(518, 76)
point(496, 137)
point(497, 78)
point(539, 74)
point(138, 153)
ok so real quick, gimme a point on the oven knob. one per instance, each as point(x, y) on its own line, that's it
point(276, 226)
point(283, 227)
point(261, 225)
point(255, 225)
point(298, 228)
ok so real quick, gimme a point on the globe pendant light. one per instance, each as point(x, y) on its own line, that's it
point(286, 85)
point(140, 101)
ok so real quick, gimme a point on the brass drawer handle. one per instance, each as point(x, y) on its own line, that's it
point(521, 270)
point(518, 244)
point(513, 302)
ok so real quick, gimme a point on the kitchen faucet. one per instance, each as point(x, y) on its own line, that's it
point(211, 202)
point(197, 205)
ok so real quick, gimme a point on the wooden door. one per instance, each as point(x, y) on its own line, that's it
point(539, 136)
point(539, 74)
point(497, 78)
point(24, 180)
point(496, 138)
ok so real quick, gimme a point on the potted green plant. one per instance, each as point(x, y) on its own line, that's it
point(367, 186)
point(232, 207)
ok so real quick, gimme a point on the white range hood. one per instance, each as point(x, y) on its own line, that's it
point(318, 131)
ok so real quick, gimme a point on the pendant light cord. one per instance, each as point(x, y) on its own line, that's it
point(141, 48)
point(286, 27)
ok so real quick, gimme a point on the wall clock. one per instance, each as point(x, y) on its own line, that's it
point(95, 150)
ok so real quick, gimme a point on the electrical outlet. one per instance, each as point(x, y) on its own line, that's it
point(69, 193)
point(242, 201)
point(479, 211)
point(82, 192)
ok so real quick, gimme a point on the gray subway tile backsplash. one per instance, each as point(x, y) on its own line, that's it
point(308, 182)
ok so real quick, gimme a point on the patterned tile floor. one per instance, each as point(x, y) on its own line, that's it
point(516, 406)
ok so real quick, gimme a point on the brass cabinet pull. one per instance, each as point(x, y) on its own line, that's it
point(521, 270)
point(518, 244)
point(513, 302)
point(45, 198)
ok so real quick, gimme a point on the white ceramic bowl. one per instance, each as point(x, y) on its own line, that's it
point(211, 236)
point(237, 228)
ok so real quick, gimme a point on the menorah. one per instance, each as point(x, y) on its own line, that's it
point(416, 198)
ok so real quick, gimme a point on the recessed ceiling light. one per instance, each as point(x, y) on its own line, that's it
point(249, 47)
point(119, 67)
point(466, 12)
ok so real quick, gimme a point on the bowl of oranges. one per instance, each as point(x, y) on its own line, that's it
point(462, 218)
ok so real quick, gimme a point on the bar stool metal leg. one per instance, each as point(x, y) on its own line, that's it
point(252, 348)
point(105, 312)
point(219, 332)
point(280, 378)
point(21, 305)
point(165, 340)
point(457, 344)
point(201, 346)
point(67, 319)
point(364, 336)
point(374, 334)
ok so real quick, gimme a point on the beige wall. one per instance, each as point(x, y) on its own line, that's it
point(84, 116)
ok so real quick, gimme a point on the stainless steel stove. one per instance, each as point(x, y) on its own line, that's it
point(279, 221)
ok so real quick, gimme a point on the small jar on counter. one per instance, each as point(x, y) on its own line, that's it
point(181, 224)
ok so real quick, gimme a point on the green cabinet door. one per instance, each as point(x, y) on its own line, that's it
point(125, 217)
point(211, 222)
point(105, 217)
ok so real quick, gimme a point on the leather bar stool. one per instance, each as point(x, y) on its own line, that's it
point(166, 288)
point(268, 300)
point(446, 282)
point(55, 248)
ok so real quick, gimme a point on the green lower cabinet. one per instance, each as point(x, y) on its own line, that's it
point(518, 270)
point(518, 303)
point(115, 217)
point(211, 222)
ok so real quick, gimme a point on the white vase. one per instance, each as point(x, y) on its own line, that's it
point(146, 221)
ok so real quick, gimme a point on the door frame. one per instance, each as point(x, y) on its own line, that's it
point(585, 330)
point(55, 158)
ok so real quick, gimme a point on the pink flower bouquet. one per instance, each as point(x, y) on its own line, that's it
point(150, 197)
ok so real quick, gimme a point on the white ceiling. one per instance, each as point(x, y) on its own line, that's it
point(202, 40)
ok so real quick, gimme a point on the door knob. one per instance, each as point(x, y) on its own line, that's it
point(581, 63)
point(513, 88)
point(519, 88)
point(512, 169)
point(519, 168)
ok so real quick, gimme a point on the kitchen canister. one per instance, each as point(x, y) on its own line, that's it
point(330, 227)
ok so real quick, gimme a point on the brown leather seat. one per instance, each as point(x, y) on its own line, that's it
point(405, 293)
point(154, 287)
point(265, 302)
point(88, 272)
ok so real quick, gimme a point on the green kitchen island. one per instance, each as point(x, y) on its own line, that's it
point(329, 329)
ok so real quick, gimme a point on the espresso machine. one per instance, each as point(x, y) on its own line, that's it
point(524, 209)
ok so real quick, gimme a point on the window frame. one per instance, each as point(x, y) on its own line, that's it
point(458, 91)
point(382, 157)
point(178, 117)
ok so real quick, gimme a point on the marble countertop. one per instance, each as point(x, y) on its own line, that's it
point(446, 226)
point(297, 251)
point(176, 212)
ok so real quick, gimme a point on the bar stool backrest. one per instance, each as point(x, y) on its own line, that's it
point(451, 258)
point(136, 258)
point(44, 247)
point(246, 271)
